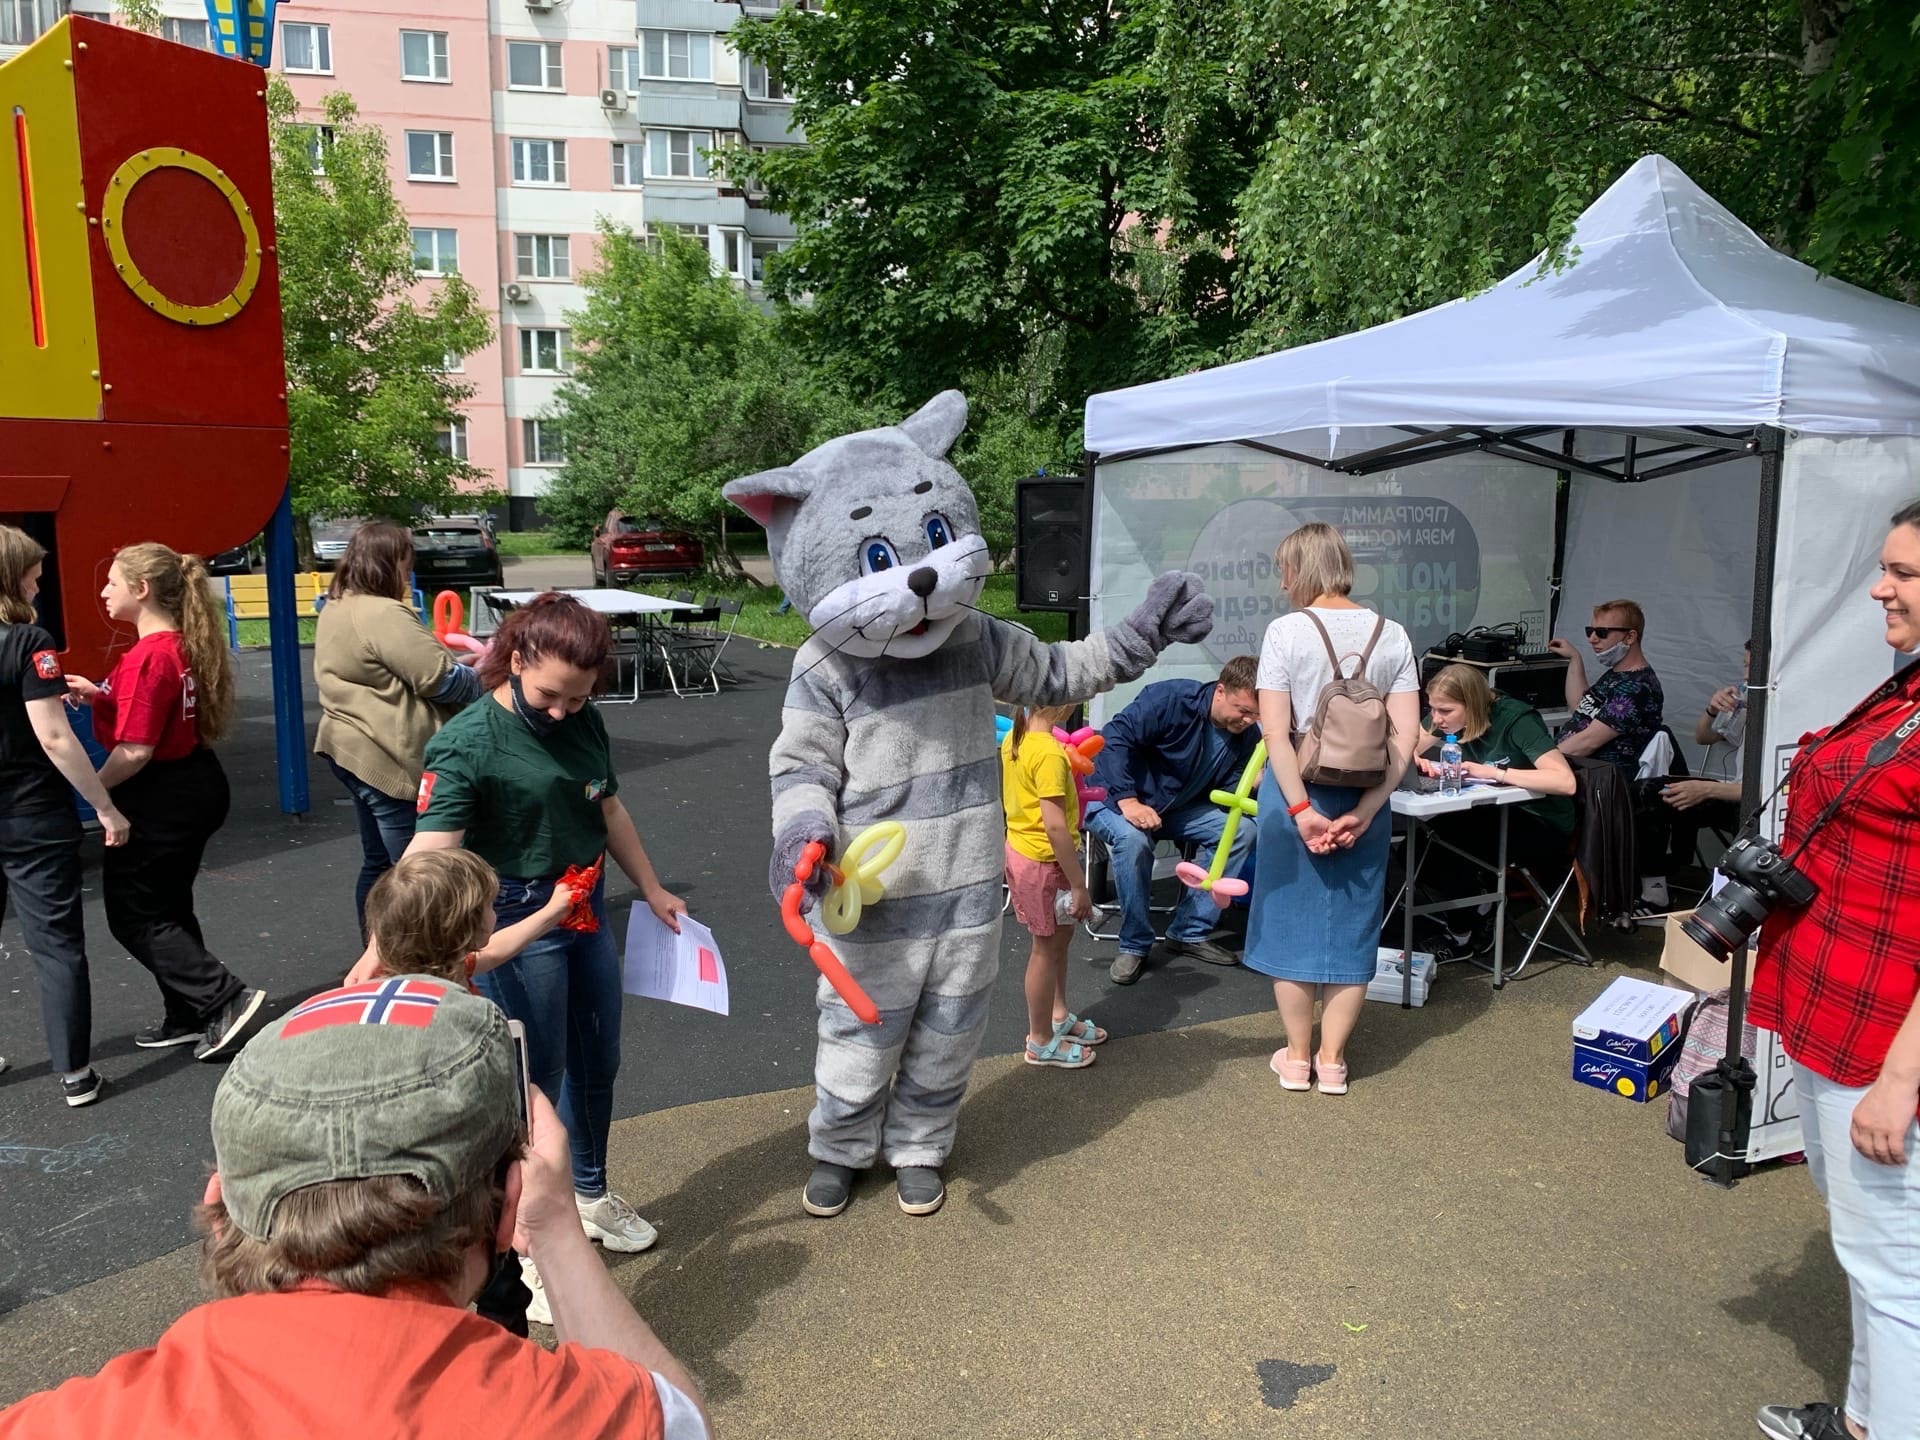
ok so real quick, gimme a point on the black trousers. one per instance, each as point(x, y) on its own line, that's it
point(174, 807)
point(40, 870)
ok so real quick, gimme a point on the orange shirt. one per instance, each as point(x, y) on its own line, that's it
point(322, 1364)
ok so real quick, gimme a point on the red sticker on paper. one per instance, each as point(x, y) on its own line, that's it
point(426, 793)
point(46, 664)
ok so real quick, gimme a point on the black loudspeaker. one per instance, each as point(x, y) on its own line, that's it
point(1050, 543)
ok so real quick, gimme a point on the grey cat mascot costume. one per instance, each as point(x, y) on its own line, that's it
point(889, 716)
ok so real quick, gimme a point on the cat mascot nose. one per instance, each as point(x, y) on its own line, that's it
point(922, 580)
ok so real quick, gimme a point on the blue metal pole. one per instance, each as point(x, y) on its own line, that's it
point(283, 637)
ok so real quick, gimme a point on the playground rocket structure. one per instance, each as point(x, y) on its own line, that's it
point(142, 374)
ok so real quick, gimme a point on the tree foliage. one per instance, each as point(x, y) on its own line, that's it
point(367, 381)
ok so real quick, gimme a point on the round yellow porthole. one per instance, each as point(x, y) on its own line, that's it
point(184, 245)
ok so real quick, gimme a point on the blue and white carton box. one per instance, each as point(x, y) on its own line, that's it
point(1628, 1041)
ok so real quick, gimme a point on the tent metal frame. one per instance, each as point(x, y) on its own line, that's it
point(1696, 446)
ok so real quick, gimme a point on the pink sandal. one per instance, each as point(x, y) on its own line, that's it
point(1294, 1074)
point(1333, 1078)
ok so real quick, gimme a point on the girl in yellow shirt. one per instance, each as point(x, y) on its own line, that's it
point(1043, 862)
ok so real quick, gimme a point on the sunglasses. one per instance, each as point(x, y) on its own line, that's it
point(1594, 632)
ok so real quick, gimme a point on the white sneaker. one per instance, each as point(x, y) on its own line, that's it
point(612, 1222)
point(537, 1309)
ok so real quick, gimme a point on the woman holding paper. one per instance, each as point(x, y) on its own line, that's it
point(527, 783)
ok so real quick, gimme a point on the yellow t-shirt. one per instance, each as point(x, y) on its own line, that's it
point(1039, 771)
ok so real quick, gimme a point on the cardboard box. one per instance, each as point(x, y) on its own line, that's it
point(1638, 1080)
point(1389, 976)
point(1693, 967)
point(1625, 1042)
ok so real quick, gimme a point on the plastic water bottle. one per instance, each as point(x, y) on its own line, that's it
point(1450, 766)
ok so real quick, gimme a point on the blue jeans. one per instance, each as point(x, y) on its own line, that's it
point(1130, 861)
point(565, 988)
point(386, 827)
point(1874, 1214)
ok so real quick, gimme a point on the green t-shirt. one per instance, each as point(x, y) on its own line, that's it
point(1516, 735)
point(530, 807)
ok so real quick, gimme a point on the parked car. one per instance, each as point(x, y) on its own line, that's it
point(330, 541)
point(449, 551)
point(626, 549)
point(238, 561)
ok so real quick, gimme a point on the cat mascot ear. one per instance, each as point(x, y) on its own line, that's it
point(938, 423)
point(760, 495)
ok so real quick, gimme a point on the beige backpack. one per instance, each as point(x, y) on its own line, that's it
point(1350, 739)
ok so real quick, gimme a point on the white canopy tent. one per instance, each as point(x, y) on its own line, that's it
point(1736, 430)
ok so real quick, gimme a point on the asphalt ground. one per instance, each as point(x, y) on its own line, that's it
point(1165, 1244)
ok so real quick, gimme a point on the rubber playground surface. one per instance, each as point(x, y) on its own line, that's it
point(1164, 1244)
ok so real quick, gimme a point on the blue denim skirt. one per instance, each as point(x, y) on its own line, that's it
point(1316, 918)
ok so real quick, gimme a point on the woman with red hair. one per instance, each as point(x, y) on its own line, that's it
point(525, 780)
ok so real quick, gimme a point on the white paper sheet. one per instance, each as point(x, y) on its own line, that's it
point(682, 969)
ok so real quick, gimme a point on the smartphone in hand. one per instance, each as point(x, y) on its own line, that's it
point(523, 1087)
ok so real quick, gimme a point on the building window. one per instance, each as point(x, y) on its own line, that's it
point(676, 55)
point(533, 65)
point(764, 84)
point(540, 440)
point(678, 154)
point(319, 138)
point(623, 68)
point(539, 162)
point(757, 261)
point(696, 233)
point(542, 257)
point(452, 364)
point(24, 21)
point(436, 252)
point(628, 165)
point(306, 49)
point(543, 352)
point(423, 55)
point(186, 32)
point(734, 245)
point(429, 154)
point(451, 437)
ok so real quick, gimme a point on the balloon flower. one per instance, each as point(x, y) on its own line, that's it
point(1239, 801)
point(448, 617)
point(581, 879)
point(856, 885)
point(1082, 746)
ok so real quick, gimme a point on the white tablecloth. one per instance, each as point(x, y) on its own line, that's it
point(607, 602)
point(1425, 807)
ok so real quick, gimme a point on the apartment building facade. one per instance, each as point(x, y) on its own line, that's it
point(512, 127)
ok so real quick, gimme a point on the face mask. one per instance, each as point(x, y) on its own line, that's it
point(538, 721)
point(1609, 657)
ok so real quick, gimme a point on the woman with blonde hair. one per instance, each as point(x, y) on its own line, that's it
point(1320, 861)
point(39, 832)
point(168, 695)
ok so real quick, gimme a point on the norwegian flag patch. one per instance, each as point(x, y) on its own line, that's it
point(403, 1000)
point(425, 798)
point(46, 665)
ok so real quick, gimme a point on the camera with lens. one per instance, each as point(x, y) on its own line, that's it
point(1759, 878)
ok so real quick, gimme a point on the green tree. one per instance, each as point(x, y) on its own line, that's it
point(680, 383)
point(367, 383)
point(141, 15)
point(984, 182)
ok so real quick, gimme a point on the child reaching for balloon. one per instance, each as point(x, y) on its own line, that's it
point(1042, 866)
point(432, 914)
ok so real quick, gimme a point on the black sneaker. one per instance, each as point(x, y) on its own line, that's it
point(223, 1030)
point(828, 1190)
point(1818, 1421)
point(169, 1033)
point(920, 1189)
point(1204, 950)
point(85, 1090)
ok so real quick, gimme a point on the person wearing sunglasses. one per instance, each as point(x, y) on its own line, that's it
point(1615, 716)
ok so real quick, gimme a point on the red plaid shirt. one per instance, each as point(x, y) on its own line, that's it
point(1837, 979)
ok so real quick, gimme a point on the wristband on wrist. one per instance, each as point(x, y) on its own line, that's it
point(1293, 810)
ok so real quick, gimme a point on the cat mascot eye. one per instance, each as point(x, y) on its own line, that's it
point(939, 532)
point(875, 556)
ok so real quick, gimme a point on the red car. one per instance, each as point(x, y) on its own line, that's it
point(625, 550)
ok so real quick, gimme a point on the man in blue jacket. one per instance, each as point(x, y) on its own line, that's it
point(1175, 743)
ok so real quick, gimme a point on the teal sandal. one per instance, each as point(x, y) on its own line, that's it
point(1074, 1028)
point(1061, 1053)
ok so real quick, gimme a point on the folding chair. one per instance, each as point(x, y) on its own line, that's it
point(731, 609)
point(1574, 881)
point(695, 653)
point(1099, 883)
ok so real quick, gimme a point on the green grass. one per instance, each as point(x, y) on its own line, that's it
point(533, 542)
point(758, 620)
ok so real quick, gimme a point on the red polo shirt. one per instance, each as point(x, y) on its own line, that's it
point(328, 1365)
point(149, 699)
point(1838, 978)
